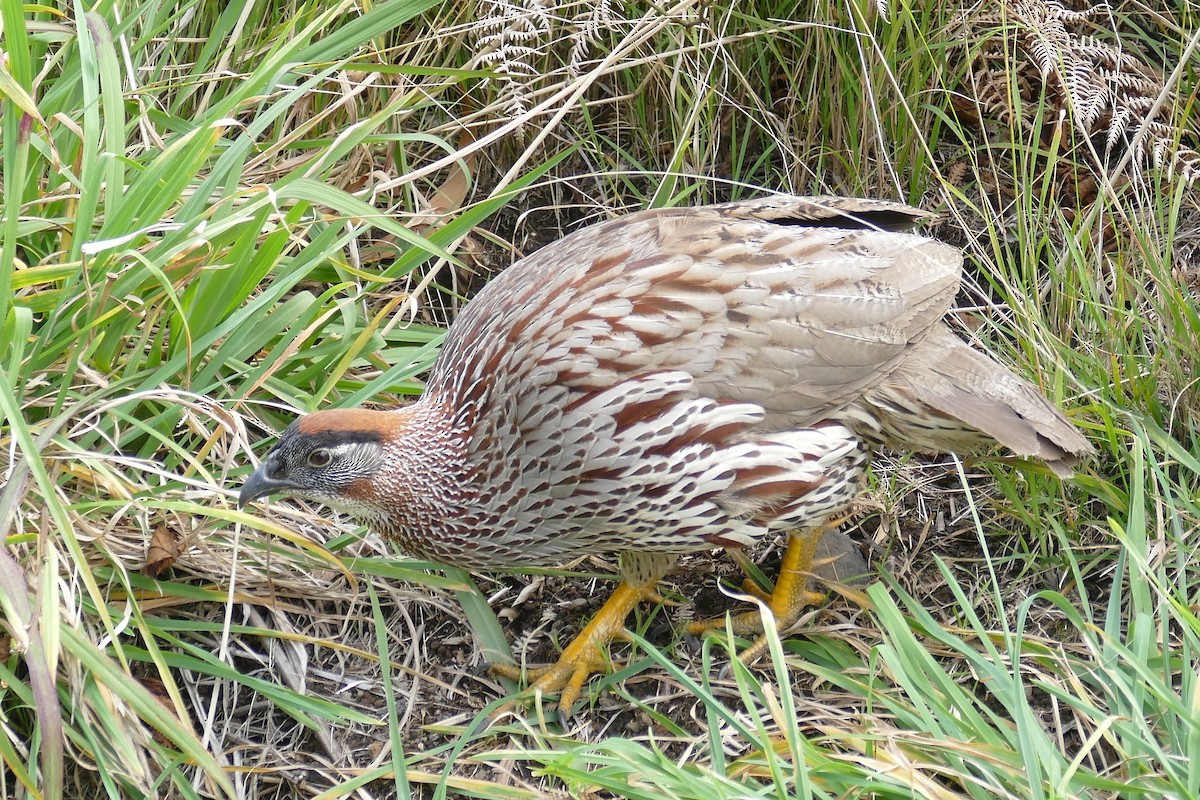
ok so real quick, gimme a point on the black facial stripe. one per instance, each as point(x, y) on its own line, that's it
point(290, 454)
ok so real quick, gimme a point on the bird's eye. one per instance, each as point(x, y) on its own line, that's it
point(319, 457)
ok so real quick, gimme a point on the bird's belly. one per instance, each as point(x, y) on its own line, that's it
point(552, 543)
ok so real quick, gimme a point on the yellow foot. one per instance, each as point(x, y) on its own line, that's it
point(585, 655)
point(787, 602)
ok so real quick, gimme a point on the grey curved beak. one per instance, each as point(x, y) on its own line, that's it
point(261, 483)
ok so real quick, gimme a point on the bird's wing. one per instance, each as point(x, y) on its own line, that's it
point(799, 305)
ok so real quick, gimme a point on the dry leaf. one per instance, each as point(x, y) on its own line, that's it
point(163, 550)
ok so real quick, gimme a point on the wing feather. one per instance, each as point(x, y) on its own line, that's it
point(796, 304)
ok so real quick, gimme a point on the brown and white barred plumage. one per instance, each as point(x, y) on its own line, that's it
point(675, 380)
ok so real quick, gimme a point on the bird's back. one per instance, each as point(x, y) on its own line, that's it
point(768, 302)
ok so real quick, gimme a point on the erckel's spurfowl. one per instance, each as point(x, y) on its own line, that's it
point(671, 381)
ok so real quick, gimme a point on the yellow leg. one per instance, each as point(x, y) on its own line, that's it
point(790, 598)
point(586, 654)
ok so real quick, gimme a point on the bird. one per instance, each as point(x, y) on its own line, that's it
point(670, 381)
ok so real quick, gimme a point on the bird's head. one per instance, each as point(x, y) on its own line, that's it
point(330, 457)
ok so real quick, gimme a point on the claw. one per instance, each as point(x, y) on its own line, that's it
point(584, 656)
point(787, 602)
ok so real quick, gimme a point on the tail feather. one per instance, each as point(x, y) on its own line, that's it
point(952, 378)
